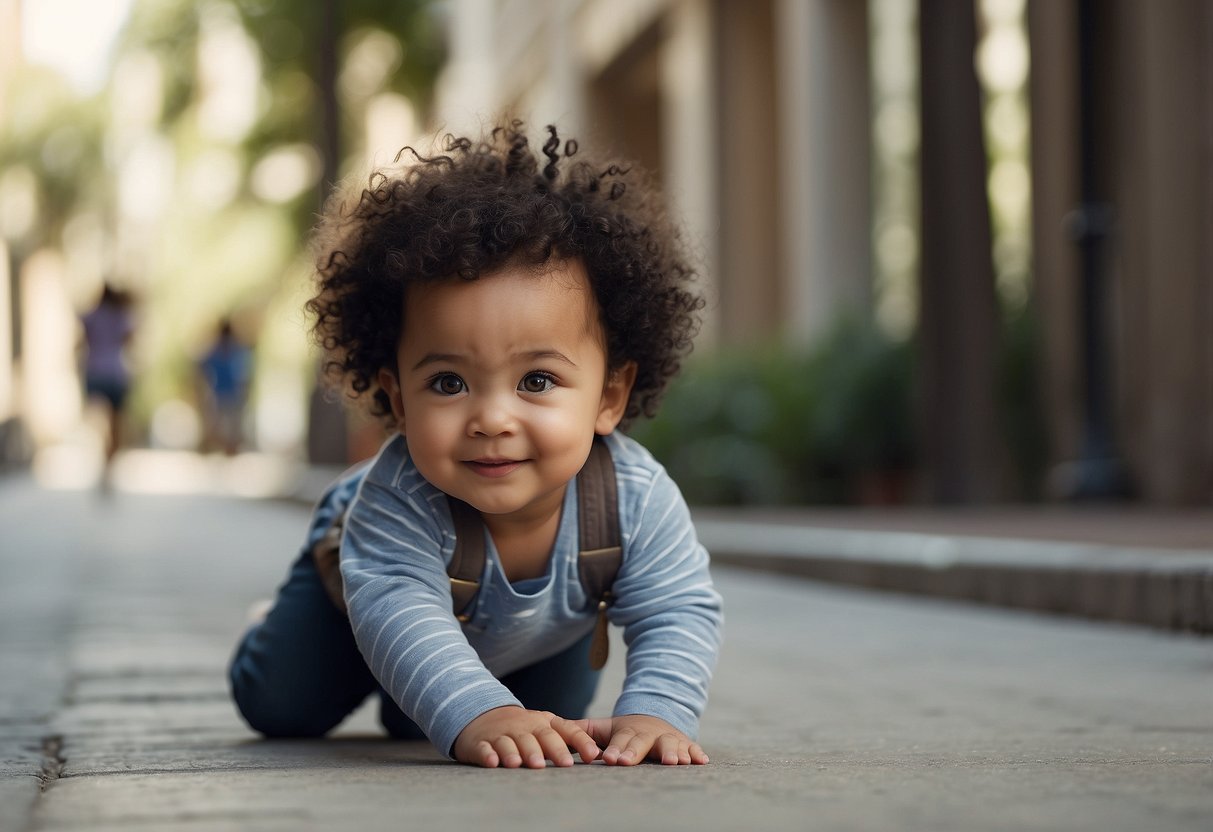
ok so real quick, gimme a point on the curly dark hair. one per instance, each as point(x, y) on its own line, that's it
point(478, 206)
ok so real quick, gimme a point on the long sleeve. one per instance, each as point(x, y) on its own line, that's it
point(668, 607)
point(393, 560)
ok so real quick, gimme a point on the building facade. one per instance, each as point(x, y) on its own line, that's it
point(717, 98)
point(757, 117)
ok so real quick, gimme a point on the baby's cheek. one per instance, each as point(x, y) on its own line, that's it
point(570, 417)
point(429, 456)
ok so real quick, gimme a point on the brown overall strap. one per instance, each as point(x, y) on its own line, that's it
point(600, 541)
point(598, 517)
point(467, 564)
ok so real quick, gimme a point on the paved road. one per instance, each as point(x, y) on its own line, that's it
point(833, 709)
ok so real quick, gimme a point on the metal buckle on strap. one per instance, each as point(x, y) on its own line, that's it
point(609, 551)
point(462, 593)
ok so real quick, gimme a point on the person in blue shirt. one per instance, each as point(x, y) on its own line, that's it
point(499, 309)
point(226, 371)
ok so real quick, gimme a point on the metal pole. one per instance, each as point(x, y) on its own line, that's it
point(1099, 473)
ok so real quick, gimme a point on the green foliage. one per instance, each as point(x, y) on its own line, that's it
point(293, 37)
point(831, 424)
point(777, 425)
point(57, 139)
point(168, 30)
point(289, 34)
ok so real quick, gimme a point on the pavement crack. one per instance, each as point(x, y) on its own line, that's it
point(53, 761)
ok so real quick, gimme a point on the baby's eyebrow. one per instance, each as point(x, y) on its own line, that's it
point(436, 358)
point(535, 355)
point(528, 355)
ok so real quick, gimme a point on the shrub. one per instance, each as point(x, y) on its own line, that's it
point(779, 425)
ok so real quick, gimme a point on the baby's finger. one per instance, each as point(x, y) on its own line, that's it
point(484, 755)
point(599, 729)
point(575, 737)
point(698, 757)
point(554, 747)
point(638, 748)
point(672, 750)
point(530, 751)
point(507, 751)
point(616, 744)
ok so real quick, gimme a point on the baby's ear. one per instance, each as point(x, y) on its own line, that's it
point(391, 386)
point(615, 394)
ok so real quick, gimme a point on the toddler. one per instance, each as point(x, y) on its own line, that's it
point(504, 312)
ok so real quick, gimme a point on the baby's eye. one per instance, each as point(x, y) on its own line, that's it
point(536, 383)
point(448, 384)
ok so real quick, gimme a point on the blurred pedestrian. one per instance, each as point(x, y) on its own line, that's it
point(108, 329)
point(225, 371)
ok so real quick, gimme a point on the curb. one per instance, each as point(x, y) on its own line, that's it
point(1163, 588)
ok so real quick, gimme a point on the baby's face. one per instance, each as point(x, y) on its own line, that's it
point(502, 383)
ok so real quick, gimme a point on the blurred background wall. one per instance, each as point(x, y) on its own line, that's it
point(956, 251)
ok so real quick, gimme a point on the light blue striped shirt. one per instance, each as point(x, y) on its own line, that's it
point(399, 537)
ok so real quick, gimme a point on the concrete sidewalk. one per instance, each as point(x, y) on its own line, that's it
point(831, 708)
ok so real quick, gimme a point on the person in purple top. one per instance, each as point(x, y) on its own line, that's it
point(108, 329)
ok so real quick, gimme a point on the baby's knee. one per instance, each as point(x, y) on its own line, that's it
point(275, 712)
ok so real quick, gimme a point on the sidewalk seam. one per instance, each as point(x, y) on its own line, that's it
point(53, 761)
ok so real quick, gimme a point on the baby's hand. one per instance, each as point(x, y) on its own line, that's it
point(512, 737)
point(632, 738)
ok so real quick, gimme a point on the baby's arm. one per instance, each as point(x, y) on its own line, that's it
point(399, 600)
point(671, 615)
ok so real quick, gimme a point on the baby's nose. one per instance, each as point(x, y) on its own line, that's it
point(492, 417)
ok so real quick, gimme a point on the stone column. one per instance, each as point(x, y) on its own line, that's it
point(1053, 86)
point(959, 326)
point(466, 94)
point(748, 239)
point(1158, 108)
point(7, 357)
point(825, 151)
point(564, 72)
point(690, 166)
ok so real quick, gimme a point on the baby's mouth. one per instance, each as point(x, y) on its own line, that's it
point(488, 467)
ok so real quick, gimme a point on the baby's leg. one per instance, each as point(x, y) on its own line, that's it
point(563, 684)
point(298, 673)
